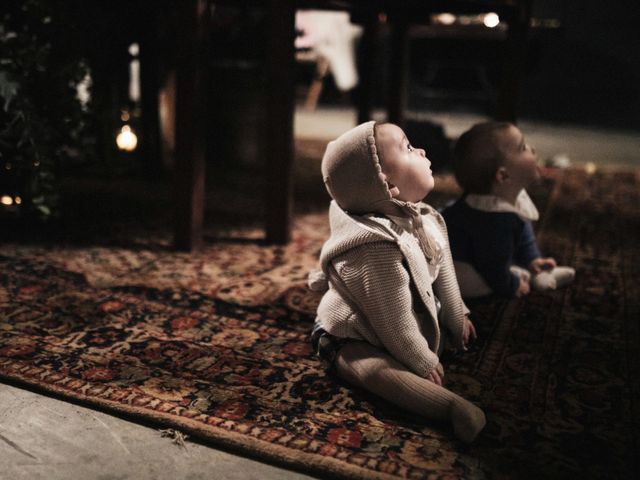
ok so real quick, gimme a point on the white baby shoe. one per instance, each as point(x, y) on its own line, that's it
point(552, 279)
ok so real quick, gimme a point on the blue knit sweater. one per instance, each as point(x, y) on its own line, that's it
point(491, 242)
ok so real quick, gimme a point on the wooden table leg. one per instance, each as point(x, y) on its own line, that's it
point(190, 114)
point(280, 110)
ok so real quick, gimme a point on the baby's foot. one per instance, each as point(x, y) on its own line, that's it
point(467, 419)
point(563, 275)
point(544, 281)
point(558, 277)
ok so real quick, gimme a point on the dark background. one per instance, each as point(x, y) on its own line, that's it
point(585, 71)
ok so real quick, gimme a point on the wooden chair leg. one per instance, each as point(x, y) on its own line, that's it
point(313, 95)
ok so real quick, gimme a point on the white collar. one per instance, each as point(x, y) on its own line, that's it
point(523, 207)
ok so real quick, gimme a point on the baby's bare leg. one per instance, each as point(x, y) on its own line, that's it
point(372, 369)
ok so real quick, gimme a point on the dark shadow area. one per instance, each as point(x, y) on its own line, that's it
point(114, 204)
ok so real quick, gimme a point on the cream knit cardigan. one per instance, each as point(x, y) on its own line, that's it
point(371, 264)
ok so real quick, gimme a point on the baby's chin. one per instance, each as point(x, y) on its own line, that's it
point(536, 178)
point(416, 196)
point(432, 185)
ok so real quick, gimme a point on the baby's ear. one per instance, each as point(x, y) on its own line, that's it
point(501, 175)
point(395, 191)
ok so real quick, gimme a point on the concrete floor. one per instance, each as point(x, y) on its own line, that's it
point(42, 437)
point(46, 438)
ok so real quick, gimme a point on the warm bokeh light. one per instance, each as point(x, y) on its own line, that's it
point(590, 168)
point(446, 18)
point(491, 20)
point(6, 200)
point(18, 200)
point(83, 90)
point(126, 139)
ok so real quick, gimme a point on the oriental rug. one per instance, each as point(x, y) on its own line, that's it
point(215, 344)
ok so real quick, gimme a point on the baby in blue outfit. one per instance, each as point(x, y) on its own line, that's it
point(490, 231)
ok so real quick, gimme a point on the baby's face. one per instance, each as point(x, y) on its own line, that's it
point(521, 162)
point(407, 168)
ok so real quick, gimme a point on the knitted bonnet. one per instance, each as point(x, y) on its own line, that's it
point(353, 176)
point(351, 171)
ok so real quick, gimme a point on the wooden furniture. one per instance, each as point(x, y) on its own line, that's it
point(401, 14)
point(190, 91)
point(321, 69)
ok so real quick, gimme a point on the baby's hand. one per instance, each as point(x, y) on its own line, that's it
point(523, 288)
point(468, 332)
point(539, 264)
point(435, 377)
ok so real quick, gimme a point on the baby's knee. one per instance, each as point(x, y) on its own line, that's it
point(468, 420)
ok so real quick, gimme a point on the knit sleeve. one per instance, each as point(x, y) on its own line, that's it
point(380, 286)
point(448, 292)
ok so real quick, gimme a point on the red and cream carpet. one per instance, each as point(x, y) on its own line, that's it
point(215, 344)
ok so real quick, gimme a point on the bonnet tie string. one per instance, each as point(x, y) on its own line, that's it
point(427, 243)
point(412, 212)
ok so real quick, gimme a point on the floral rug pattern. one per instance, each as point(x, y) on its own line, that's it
point(216, 344)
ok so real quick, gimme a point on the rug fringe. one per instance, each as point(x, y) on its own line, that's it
point(176, 436)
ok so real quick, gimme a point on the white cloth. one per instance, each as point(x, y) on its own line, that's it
point(332, 36)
